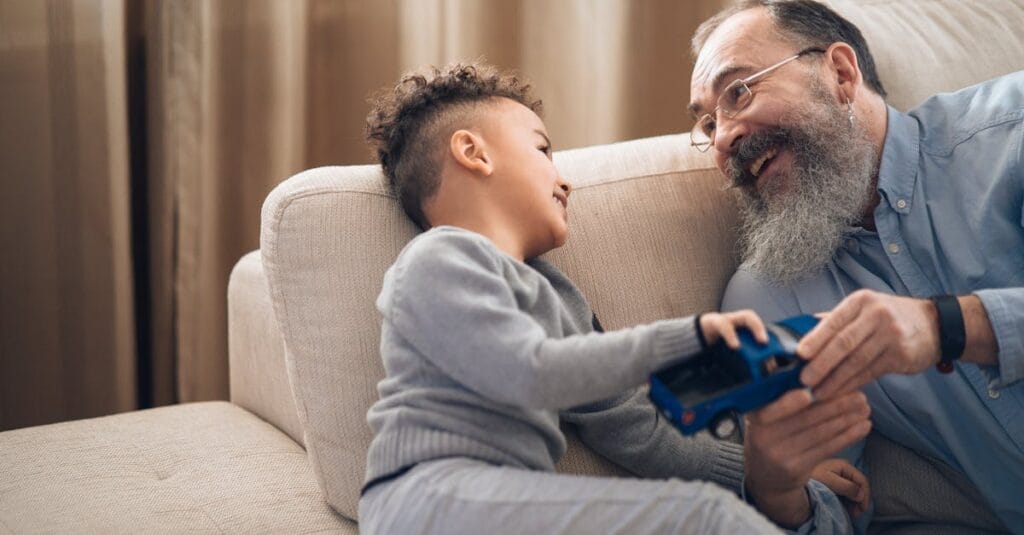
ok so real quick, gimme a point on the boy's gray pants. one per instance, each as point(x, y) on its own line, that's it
point(460, 495)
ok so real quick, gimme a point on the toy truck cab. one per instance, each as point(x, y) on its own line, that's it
point(712, 388)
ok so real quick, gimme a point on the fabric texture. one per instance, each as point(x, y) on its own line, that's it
point(259, 381)
point(951, 184)
point(194, 468)
point(453, 496)
point(924, 47)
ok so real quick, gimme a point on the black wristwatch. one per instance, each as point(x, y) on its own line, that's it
point(952, 335)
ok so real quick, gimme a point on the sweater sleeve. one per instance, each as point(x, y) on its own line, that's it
point(631, 432)
point(451, 302)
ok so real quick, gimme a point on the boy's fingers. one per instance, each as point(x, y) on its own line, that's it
point(756, 326)
point(728, 332)
point(841, 486)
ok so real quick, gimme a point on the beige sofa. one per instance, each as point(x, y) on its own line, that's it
point(652, 234)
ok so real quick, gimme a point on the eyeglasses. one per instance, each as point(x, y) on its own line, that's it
point(734, 98)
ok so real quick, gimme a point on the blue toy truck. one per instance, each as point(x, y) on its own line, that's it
point(710, 390)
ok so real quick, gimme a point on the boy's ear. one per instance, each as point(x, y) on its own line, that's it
point(468, 150)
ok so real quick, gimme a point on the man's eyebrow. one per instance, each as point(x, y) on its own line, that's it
point(716, 83)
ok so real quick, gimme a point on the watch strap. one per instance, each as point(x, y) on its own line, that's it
point(952, 335)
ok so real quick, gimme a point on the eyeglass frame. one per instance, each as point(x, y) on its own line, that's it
point(704, 146)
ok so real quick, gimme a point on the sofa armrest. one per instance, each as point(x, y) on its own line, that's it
point(258, 377)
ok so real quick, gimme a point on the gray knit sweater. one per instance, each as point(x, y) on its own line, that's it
point(484, 353)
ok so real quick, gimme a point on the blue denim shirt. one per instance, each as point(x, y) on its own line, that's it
point(950, 221)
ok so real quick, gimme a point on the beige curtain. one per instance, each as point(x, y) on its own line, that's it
point(67, 335)
point(236, 95)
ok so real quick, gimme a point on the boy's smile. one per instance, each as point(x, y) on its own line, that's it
point(533, 196)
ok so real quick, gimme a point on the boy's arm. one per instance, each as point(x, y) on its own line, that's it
point(449, 299)
point(631, 432)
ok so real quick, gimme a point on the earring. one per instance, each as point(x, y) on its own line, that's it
point(849, 110)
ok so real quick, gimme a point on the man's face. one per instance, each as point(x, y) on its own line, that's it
point(802, 169)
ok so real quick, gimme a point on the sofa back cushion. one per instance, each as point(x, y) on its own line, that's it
point(924, 47)
point(651, 232)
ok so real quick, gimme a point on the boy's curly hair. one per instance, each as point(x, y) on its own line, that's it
point(408, 126)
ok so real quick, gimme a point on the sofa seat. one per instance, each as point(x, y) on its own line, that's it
point(209, 467)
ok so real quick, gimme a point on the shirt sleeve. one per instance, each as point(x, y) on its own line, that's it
point(450, 299)
point(632, 433)
point(828, 516)
point(1005, 309)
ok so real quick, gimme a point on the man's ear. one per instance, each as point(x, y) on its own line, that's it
point(467, 148)
point(842, 62)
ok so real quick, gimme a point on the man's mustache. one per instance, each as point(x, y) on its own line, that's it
point(749, 149)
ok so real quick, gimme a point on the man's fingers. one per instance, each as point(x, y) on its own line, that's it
point(860, 363)
point(844, 340)
point(829, 388)
point(813, 342)
point(837, 442)
point(813, 424)
point(787, 405)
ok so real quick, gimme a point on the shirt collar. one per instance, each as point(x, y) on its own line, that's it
point(897, 173)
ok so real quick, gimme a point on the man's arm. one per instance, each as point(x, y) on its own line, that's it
point(870, 334)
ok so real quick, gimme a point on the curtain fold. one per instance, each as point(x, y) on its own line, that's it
point(228, 98)
point(67, 334)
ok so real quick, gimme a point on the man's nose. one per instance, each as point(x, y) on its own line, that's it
point(728, 133)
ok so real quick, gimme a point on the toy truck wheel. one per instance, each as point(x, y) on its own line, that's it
point(724, 424)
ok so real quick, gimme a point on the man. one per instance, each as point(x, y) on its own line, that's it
point(851, 205)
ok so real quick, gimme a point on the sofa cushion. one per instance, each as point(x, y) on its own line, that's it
point(924, 47)
point(202, 467)
point(259, 382)
point(651, 233)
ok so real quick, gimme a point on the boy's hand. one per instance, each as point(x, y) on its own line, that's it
point(847, 482)
point(717, 325)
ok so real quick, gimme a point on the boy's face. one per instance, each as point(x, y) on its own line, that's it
point(532, 192)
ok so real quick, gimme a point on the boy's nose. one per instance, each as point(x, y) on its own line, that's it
point(565, 185)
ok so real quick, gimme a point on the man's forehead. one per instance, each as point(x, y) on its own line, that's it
point(742, 44)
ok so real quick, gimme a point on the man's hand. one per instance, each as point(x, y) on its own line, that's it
point(846, 482)
point(867, 335)
point(787, 439)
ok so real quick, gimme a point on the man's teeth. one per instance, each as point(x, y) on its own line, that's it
point(755, 167)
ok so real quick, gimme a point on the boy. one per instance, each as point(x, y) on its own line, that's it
point(485, 346)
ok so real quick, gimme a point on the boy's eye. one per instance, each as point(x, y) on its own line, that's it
point(546, 149)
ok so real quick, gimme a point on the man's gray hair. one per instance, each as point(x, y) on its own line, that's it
point(808, 24)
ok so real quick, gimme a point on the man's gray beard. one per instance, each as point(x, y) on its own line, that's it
point(789, 234)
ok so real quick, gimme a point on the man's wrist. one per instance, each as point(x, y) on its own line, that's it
point(981, 346)
point(789, 509)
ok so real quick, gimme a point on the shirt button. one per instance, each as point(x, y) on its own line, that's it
point(993, 393)
point(894, 248)
point(901, 204)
